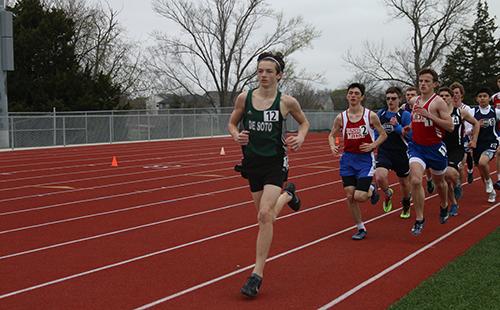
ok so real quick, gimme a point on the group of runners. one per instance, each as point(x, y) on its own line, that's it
point(432, 134)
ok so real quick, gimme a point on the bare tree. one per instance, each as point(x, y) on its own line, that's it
point(216, 44)
point(311, 98)
point(435, 24)
point(101, 47)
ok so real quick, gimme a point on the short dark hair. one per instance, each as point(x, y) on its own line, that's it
point(435, 77)
point(486, 90)
point(360, 86)
point(277, 58)
point(394, 90)
point(411, 88)
point(459, 86)
point(446, 89)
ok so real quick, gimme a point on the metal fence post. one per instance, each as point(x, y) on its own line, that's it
point(86, 128)
point(149, 127)
point(168, 124)
point(111, 129)
point(12, 132)
point(55, 126)
point(139, 130)
point(182, 125)
point(194, 125)
point(64, 130)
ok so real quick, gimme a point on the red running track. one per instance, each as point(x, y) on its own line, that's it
point(174, 227)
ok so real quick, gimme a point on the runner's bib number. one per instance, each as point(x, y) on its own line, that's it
point(271, 116)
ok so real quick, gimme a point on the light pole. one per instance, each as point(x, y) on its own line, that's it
point(6, 64)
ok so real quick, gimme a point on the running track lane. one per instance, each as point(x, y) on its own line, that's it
point(114, 182)
point(308, 226)
point(320, 274)
point(322, 264)
point(76, 258)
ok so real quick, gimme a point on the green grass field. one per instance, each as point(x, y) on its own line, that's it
point(472, 281)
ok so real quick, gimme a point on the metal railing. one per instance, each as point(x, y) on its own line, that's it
point(61, 129)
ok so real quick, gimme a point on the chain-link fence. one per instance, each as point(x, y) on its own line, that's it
point(71, 128)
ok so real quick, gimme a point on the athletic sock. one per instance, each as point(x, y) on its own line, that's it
point(387, 192)
point(361, 226)
point(372, 187)
point(470, 163)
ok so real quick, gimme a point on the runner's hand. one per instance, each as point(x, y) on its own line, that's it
point(294, 142)
point(335, 149)
point(366, 147)
point(242, 137)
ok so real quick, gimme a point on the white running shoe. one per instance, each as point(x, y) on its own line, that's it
point(489, 186)
point(492, 197)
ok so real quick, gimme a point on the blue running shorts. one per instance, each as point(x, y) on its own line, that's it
point(429, 156)
point(359, 165)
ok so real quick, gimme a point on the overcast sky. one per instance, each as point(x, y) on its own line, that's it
point(344, 25)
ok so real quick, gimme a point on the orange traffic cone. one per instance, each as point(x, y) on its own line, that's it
point(222, 152)
point(114, 162)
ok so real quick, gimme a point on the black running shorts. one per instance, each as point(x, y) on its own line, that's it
point(455, 157)
point(361, 184)
point(265, 170)
point(396, 161)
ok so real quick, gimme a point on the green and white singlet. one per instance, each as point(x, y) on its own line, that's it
point(267, 129)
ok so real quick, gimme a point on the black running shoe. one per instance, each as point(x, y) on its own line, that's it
point(418, 227)
point(470, 177)
point(430, 186)
point(457, 191)
point(294, 204)
point(252, 286)
point(360, 235)
point(496, 185)
point(375, 195)
point(239, 168)
point(443, 215)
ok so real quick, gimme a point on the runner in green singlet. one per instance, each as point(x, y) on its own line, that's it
point(262, 112)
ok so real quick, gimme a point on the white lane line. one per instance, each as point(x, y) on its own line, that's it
point(152, 190)
point(201, 285)
point(53, 186)
point(67, 157)
point(403, 261)
point(206, 239)
point(72, 219)
point(162, 149)
point(196, 159)
point(225, 276)
point(144, 225)
point(122, 184)
point(200, 241)
point(31, 288)
point(141, 206)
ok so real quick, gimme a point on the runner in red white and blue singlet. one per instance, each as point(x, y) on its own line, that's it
point(424, 130)
point(427, 146)
point(357, 133)
point(354, 162)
